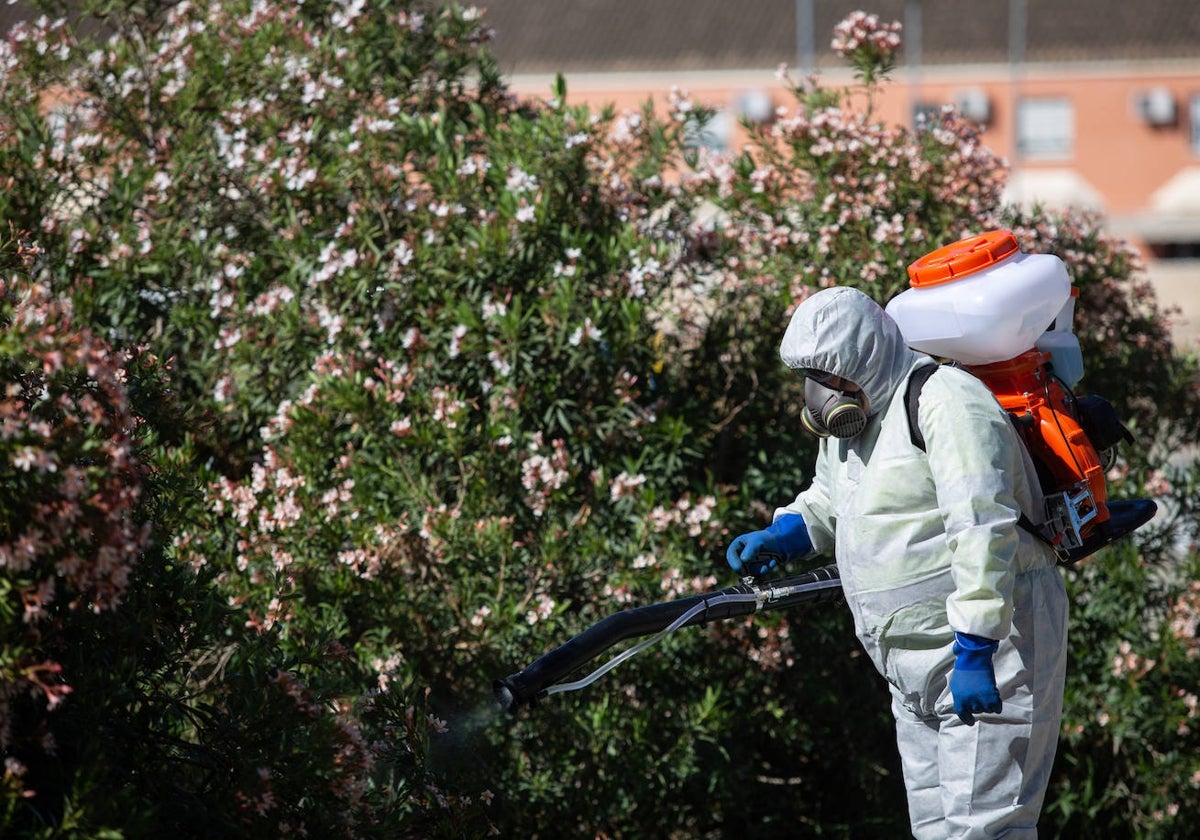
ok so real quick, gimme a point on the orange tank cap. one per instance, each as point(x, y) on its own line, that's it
point(960, 259)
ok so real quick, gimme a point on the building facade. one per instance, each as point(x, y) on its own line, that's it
point(1095, 104)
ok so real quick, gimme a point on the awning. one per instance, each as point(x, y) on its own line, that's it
point(1053, 188)
point(1152, 227)
point(1173, 214)
point(1180, 195)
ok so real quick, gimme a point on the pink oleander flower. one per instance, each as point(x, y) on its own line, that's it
point(542, 474)
point(625, 485)
point(1157, 484)
point(861, 38)
point(1125, 662)
point(680, 104)
point(542, 610)
point(1184, 619)
point(480, 616)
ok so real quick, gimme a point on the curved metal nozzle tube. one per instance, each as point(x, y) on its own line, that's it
point(532, 683)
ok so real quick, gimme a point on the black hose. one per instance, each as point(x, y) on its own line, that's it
point(530, 683)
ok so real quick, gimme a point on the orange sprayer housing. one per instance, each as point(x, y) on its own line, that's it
point(1053, 436)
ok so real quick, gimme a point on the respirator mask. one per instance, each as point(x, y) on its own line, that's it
point(829, 411)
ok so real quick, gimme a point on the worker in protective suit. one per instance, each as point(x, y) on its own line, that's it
point(963, 612)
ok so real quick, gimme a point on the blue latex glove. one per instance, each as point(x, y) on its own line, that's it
point(973, 681)
point(760, 551)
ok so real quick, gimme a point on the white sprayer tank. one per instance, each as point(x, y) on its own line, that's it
point(981, 300)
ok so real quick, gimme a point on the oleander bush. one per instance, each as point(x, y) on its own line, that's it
point(340, 383)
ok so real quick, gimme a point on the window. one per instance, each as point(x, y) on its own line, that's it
point(1175, 250)
point(1194, 122)
point(1045, 128)
point(926, 115)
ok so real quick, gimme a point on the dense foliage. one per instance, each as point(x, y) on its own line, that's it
point(340, 383)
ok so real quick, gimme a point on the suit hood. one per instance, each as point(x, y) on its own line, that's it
point(844, 332)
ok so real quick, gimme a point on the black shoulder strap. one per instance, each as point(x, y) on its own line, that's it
point(912, 397)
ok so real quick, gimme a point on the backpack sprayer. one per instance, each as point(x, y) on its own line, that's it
point(985, 305)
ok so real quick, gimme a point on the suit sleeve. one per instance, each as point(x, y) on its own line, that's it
point(975, 461)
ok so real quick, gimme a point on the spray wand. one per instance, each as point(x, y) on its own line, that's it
point(541, 678)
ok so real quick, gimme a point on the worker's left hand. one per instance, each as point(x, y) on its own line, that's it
point(973, 681)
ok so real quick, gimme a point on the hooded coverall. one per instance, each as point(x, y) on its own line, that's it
point(927, 545)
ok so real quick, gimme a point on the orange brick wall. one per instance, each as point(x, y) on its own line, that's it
point(1115, 151)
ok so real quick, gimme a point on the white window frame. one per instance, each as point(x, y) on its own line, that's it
point(1045, 128)
point(1194, 122)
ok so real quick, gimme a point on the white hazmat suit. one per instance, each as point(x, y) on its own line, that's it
point(928, 545)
